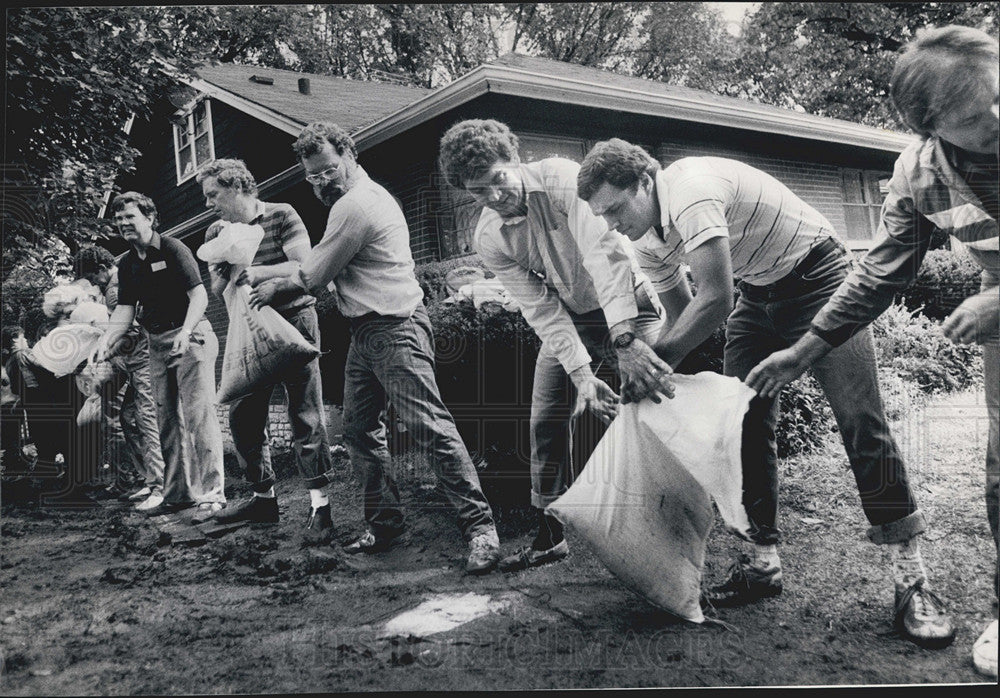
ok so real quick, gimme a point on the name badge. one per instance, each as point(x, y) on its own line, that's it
point(158, 266)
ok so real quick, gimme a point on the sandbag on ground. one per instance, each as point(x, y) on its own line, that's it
point(642, 500)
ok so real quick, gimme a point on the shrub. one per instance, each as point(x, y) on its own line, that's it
point(431, 276)
point(945, 279)
point(912, 346)
point(805, 419)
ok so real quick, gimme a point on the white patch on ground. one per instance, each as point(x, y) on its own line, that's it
point(443, 612)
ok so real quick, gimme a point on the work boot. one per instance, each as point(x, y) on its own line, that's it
point(984, 652)
point(484, 553)
point(319, 528)
point(921, 617)
point(745, 584)
point(254, 510)
point(529, 557)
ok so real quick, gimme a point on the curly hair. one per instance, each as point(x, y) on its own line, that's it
point(91, 260)
point(142, 202)
point(231, 174)
point(471, 147)
point(939, 68)
point(313, 136)
point(616, 162)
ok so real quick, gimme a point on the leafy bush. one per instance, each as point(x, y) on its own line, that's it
point(805, 419)
point(945, 279)
point(912, 346)
point(431, 276)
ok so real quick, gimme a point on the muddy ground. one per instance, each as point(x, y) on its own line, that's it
point(96, 601)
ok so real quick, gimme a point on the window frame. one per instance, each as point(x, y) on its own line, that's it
point(188, 122)
point(871, 194)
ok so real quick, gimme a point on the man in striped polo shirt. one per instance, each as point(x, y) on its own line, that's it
point(946, 88)
point(231, 193)
point(727, 220)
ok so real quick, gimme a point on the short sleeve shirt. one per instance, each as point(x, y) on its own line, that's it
point(160, 283)
point(283, 231)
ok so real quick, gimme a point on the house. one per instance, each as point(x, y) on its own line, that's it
point(556, 108)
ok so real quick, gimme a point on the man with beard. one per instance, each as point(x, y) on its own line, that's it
point(365, 254)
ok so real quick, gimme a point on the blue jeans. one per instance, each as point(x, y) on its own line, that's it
point(553, 398)
point(248, 420)
point(190, 435)
point(392, 358)
point(771, 318)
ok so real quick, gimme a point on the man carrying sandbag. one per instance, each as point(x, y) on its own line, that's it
point(365, 251)
point(161, 274)
point(729, 219)
point(131, 416)
point(231, 193)
point(577, 285)
point(945, 87)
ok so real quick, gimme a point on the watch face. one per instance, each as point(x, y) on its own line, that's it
point(624, 339)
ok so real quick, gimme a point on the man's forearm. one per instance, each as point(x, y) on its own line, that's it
point(811, 348)
point(695, 324)
point(197, 303)
point(266, 272)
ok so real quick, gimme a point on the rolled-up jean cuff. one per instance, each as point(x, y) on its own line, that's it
point(320, 481)
point(540, 501)
point(263, 486)
point(899, 530)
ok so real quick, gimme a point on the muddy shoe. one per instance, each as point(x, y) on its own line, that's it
point(369, 543)
point(167, 508)
point(319, 528)
point(254, 510)
point(921, 617)
point(484, 553)
point(136, 496)
point(207, 511)
point(984, 652)
point(529, 557)
point(745, 584)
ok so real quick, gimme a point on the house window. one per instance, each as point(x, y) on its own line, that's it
point(459, 214)
point(864, 192)
point(194, 144)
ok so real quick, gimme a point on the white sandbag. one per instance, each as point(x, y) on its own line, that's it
point(60, 301)
point(63, 349)
point(642, 501)
point(93, 375)
point(91, 313)
point(236, 244)
point(90, 413)
point(261, 347)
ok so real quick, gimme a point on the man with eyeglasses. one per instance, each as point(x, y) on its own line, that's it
point(365, 254)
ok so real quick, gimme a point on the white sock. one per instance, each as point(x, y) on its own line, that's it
point(907, 563)
point(266, 495)
point(765, 557)
point(318, 498)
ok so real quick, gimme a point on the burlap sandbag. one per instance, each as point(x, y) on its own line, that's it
point(642, 501)
point(261, 347)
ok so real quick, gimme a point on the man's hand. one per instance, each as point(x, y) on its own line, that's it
point(223, 269)
point(264, 293)
point(975, 320)
point(643, 373)
point(594, 393)
point(181, 343)
point(776, 371)
point(250, 276)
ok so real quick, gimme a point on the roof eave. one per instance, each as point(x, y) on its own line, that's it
point(522, 83)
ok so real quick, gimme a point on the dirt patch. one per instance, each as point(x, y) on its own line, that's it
point(94, 603)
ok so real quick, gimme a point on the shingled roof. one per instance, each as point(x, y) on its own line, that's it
point(349, 103)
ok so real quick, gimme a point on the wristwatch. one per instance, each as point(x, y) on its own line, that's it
point(623, 340)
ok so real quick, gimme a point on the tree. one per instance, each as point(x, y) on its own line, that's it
point(835, 59)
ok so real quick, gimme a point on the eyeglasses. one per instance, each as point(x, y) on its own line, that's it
point(323, 176)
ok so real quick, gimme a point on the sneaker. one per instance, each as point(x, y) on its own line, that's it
point(152, 501)
point(369, 543)
point(921, 617)
point(529, 557)
point(745, 584)
point(206, 512)
point(484, 553)
point(319, 527)
point(136, 496)
point(984, 652)
point(167, 508)
point(254, 510)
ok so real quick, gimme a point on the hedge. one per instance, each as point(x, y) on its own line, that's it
point(945, 279)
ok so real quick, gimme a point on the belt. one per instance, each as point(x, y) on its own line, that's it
point(792, 284)
point(360, 320)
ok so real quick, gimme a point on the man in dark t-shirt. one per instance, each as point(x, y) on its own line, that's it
point(161, 274)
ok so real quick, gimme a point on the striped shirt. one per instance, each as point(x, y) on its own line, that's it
point(284, 232)
point(769, 228)
point(925, 194)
